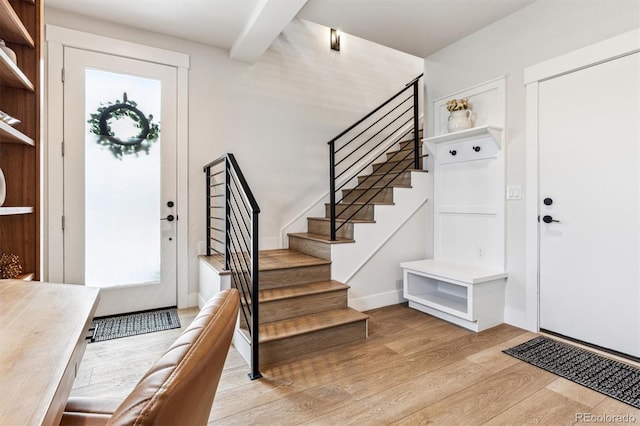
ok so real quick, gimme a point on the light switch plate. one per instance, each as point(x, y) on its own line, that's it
point(514, 192)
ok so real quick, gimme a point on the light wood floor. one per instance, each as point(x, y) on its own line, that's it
point(413, 369)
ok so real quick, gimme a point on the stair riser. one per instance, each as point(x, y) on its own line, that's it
point(398, 166)
point(310, 247)
point(323, 227)
point(284, 350)
point(290, 276)
point(303, 305)
point(404, 154)
point(374, 195)
point(409, 143)
point(344, 212)
point(402, 179)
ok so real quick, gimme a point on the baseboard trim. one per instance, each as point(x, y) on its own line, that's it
point(375, 301)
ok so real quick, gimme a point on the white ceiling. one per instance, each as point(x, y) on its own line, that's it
point(247, 27)
point(418, 27)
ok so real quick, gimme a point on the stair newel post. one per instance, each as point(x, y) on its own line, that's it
point(332, 189)
point(416, 141)
point(227, 214)
point(255, 318)
point(208, 172)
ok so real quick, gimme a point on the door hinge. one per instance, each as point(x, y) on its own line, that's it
point(62, 148)
point(62, 75)
point(63, 223)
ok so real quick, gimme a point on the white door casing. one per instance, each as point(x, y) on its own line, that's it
point(539, 85)
point(589, 165)
point(114, 237)
point(57, 39)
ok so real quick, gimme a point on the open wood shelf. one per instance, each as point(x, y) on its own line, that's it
point(9, 211)
point(11, 75)
point(20, 96)
point(8, 134)
point(11, 27)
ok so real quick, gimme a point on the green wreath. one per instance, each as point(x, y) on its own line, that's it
point(100, 125)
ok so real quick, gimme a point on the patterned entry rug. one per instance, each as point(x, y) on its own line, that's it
point(609, 377)
point(114, 327)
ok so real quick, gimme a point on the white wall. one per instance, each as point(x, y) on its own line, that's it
point(544, 30)
point(275, 116)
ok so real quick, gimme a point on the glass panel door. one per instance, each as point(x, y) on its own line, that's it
point(120, 180)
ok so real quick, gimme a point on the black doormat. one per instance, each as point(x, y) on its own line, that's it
point(604, 375)
point(116, 326)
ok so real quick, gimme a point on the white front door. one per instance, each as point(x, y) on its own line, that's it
point(120, 179)
point(589, 171)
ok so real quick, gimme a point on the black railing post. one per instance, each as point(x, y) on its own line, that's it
point(332, 189)
point(416, 142)
point(208, 171)
point(227, 214)
point(255, 325)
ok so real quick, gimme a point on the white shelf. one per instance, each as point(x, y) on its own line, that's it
point(453, 271)
point(11, 135)
point(10, 211)
point(469, 296)
point(474, 132)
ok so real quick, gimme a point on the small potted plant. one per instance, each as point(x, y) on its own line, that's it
point(460, 115)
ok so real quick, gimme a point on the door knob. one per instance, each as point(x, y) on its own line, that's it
point(169, 218)
point(549, 219)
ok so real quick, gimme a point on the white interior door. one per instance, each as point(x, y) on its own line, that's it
point(120, 179)
point(589, 159)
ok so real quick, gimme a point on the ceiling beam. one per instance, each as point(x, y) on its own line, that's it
point(266, 23)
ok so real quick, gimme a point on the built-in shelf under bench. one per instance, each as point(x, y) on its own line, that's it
point(470, 296)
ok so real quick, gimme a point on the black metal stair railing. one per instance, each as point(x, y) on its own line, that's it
point(232, 234)
point(350, 153)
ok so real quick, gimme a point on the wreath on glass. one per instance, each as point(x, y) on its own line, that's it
point(100, 124)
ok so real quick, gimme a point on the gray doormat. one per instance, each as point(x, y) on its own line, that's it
point(116, 326)
point(609, 377)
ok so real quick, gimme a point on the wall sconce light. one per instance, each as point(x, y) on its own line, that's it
point(335, 40)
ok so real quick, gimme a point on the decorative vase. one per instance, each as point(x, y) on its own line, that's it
point(3, 188)
point(459, 120)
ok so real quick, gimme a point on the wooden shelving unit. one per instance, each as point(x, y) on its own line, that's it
point(20, 85)
point(11, 26)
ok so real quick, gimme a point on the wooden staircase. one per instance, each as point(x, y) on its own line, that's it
point(302, 309)
point(376, 187)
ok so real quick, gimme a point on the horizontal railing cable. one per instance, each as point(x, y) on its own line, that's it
point(358, 147)
point(232, 233)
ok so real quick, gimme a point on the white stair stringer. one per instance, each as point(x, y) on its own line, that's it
point(350, 260)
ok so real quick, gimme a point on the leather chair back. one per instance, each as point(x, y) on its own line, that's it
point(180, 387)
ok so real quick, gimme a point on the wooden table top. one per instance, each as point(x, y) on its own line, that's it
point(41, 325)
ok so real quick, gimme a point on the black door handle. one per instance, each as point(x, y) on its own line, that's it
point(169, 218)
point(549, 219)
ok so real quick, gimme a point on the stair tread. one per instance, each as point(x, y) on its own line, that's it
point(321, 238)
point(391, 172)
point(307, 324)
point(373, 203)
point(292, 291)
point(338, 220)
point(378, 186)
point(286, 258)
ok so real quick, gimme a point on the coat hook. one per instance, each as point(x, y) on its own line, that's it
point(453, 152)
point(476, 148)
